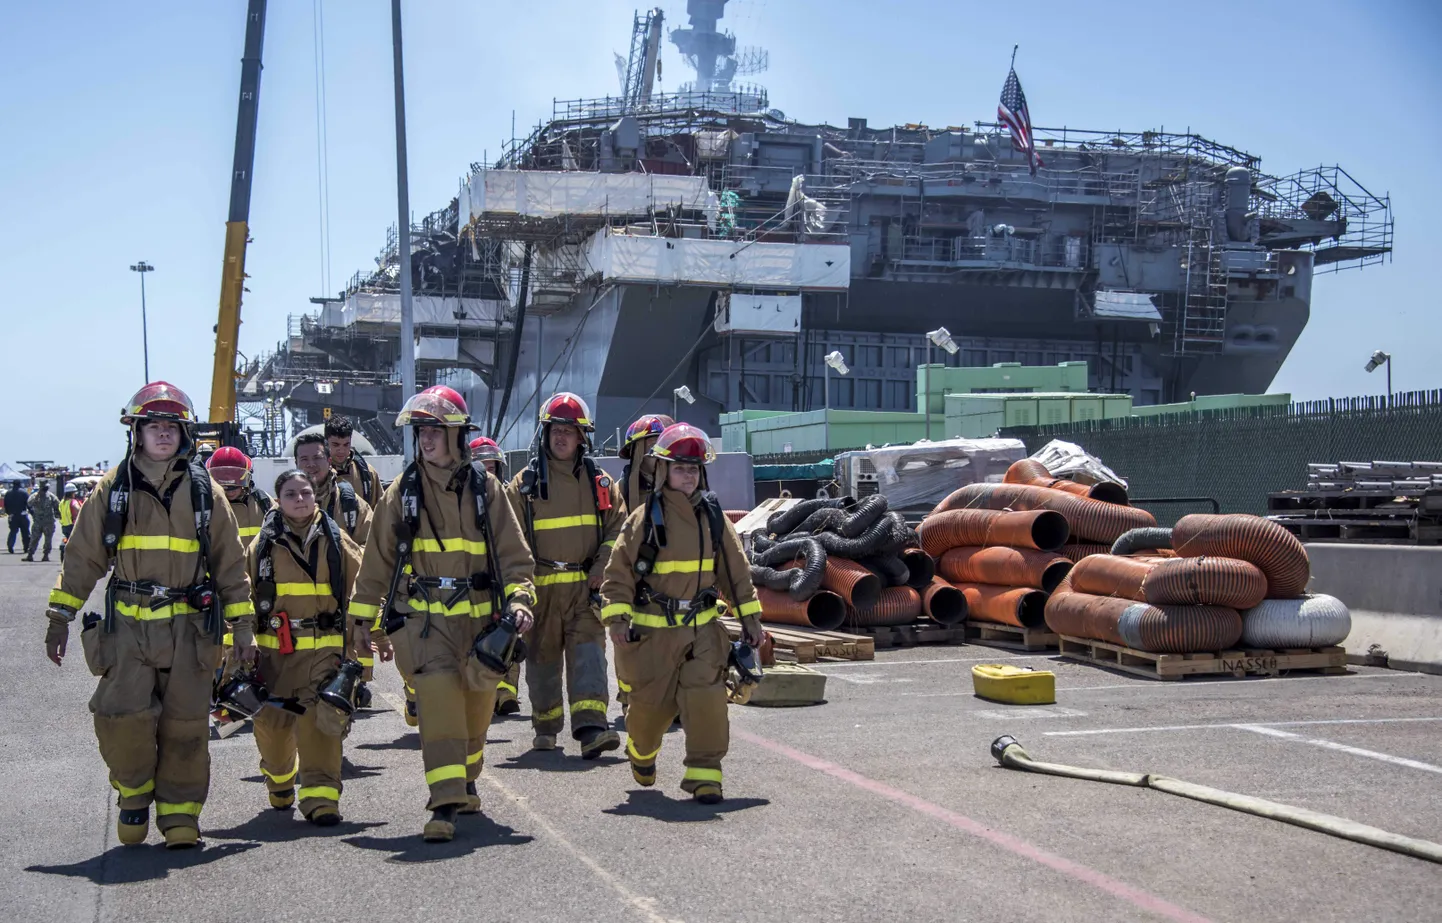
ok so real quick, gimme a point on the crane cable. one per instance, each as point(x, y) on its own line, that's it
point(322, 143)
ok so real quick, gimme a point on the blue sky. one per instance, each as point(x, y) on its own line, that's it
point(118, 123)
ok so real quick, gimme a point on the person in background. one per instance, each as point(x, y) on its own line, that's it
point(348, 463)
point(69, 509)
point(44, 511)
point(17, 509)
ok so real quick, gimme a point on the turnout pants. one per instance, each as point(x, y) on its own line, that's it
point(682, 671)
point(151, 712)
point(304, 748)
point(568, 633)
point(455, 699)
point(19, 525)
point(507, 690)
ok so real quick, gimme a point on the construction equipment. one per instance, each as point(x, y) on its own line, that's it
point(232, 280)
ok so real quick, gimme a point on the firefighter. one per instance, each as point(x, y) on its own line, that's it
point(677, 562)
point(179, 578)
point(302, 566)
point(333, 493)
point(638, 477)
point(233, 470)
point(349, 465)
point(451, 565)
point(485, 451)
point(572, 513)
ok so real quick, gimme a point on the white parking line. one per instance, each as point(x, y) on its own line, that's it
point(1343, 748)
point(1234, 724)
point(1000, 655)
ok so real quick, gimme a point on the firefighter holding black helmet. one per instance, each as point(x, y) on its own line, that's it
point(178, 580)
point(677, 562)
point(449, 562)
point(572, 513)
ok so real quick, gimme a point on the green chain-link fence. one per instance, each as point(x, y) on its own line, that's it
point(1239, 456)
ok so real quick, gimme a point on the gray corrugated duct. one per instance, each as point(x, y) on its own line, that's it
point(1147, 538)
point(1312, 621)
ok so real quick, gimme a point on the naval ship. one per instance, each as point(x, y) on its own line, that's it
point(634, 244)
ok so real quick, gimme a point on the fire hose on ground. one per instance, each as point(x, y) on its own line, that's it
point(1009, 753)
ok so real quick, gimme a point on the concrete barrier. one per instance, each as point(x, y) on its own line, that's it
point(1395, 595)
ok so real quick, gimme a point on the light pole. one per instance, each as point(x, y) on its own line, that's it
point(403, 226)
point(684, 393)
point(1382, 358)
point(833, 360)
point(143, 267)
point(938, 337)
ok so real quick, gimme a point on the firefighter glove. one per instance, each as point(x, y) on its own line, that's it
point(523, 617)
point(751, 630)
point(57, 635)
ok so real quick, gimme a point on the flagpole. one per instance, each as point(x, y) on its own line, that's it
point(1013, 56)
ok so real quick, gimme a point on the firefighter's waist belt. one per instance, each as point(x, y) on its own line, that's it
point(473, 582)
point(566, 566)
point(326, 621)
point(160, 596)
point(688, 609)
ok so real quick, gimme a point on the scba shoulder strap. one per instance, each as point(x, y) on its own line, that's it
point(117, 506)
point(349, 508)
point(364, 470)
point(262, 500)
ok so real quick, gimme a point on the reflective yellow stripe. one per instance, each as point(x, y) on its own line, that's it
point(304, 643)
point(319, 791)
point(248, 531)
point(147, 614)
point(441, 773)
point(556, 712)
point(565, 576)
point(588, 705)
point(702, 775)
point(237, 610)
point(286, 777)
point(567, 522)
point(474, 758)
point(684, 567)
point(186, 807)
point(450, 544)
point(513, 588)
point(145, 789)
point(302, 589)
point(160, 543)
point(364, 611)
point(615, 609)
point(640, 757)
point(227, 640)
point(751, 608)
point(647, 620)
point(623, 685)
point(507, 686)
point(366, 661)
point(609, 544)
point(62, 598)
point(438, 607)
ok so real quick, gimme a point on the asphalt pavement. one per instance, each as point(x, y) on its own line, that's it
point(883, 803)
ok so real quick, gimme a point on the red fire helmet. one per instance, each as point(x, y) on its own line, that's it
point(682, 442)
point(229, 467)
point(437, 405)
point(159, 400)
point(566, 407)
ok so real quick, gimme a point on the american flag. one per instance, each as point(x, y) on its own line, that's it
point(1013, 113)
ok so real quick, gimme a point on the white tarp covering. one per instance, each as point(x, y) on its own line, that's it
point(1071, 461)
point(623, 257)
point(758, 313)
point(1126, 306)
point(373, 308)
point(920, 475)
point(554, 193)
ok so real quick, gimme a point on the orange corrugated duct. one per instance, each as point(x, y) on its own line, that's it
point(1090, 520)
point(1142, 626)
point(1019, 606)
point(736, 515)
point(1277, 552)
point(1079, 550)
point(1002, 566)
point(1044, 530)
point(824, 611)
point(897, 605)
point(1109, 575)
point(1030, 471)
point(855, 584)
point(942, 602)
point(1205, 582)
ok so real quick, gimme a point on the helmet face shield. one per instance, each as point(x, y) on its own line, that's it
point(229, 467)
point(682, 442)
point(159, 400)
point(485, 449)
point(567, 407)
point(433, 408)
point(648, 427)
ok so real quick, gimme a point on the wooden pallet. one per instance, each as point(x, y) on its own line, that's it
point(1328, 660)
point(885, 636)
point(1010, 637)
point(806, 646)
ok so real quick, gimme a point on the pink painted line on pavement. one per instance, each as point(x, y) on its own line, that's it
point(1135, 896)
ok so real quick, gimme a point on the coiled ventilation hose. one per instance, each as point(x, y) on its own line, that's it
point(786, 521)
point(1149, 538)
point(1019, 606)
point(1109, 575)
point(855, 584)
point(920, 566)
point(890, 568)
point(799, 579)
point(824, 611)
point(898, 605)
point(1009, 753)
point(1090, 520)
point(888, 535)
point(1043, 530)
point(1076, 551)
point(1003, 566)
point(1031, 471)
point(1143, 626)
point(1312, 621)
point(771, 553)
point(1205, 582)
point(941, 602)
point(1272, 548)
